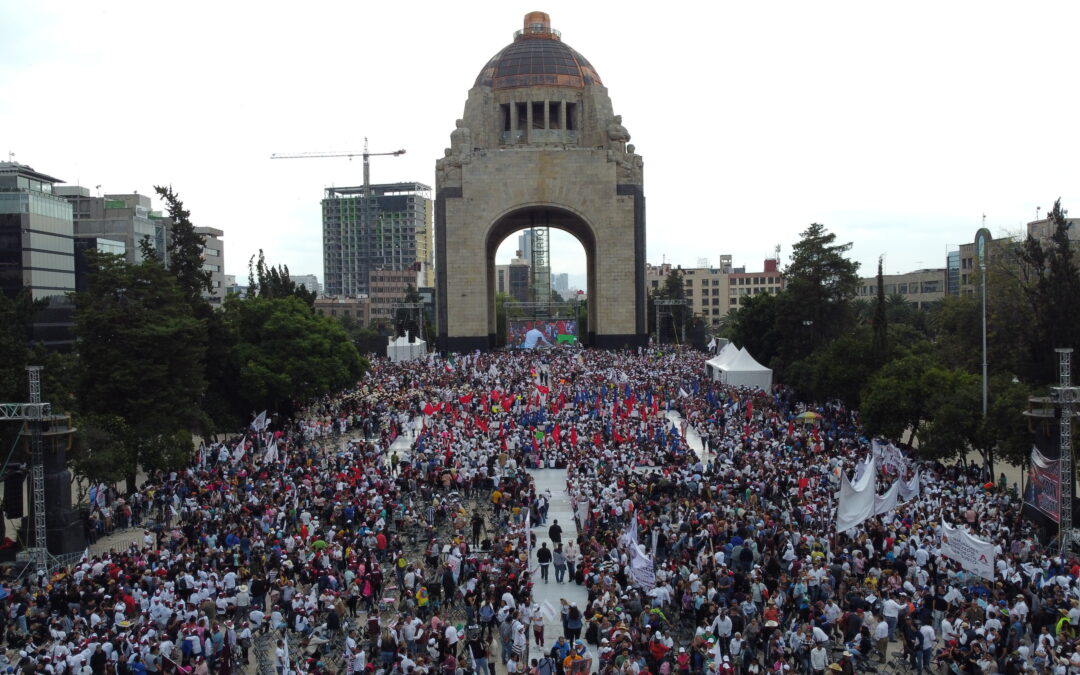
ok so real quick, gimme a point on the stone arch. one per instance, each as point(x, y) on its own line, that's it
point(559, 217)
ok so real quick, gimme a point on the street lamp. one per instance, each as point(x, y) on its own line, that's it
point(982, 240)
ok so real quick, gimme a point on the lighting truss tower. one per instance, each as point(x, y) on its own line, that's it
point(411, 311)
point(1066, 395)
point(34, 413)
point(541, 262)
point(668, 305)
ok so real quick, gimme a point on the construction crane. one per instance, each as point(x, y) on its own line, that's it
point(367, 182)
point(365, 154)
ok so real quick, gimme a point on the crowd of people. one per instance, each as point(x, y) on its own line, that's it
point(396, 527)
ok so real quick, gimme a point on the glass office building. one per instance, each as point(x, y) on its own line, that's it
point(37, 248)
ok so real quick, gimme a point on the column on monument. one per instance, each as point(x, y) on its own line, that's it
point(547, 115)
point(513, 121)
point(528, 121)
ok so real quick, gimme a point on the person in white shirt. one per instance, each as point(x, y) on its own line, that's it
point(881, 637)
point(890, 609)
point(819, 659)
point(926, 653)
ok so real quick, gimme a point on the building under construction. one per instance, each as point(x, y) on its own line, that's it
point(380, 227)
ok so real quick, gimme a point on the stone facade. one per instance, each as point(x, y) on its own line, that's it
point(539, 154)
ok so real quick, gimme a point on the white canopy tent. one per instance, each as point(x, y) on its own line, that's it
point(741, 370)
point(714, 364)
point(400, 349)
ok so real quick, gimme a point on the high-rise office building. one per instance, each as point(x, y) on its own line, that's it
point(37, 248)
point(128, 218)
point(561, 282)
point(82, 264)
point(214, 263)
point(308, 281)
point(385, 227)
point(952, 272)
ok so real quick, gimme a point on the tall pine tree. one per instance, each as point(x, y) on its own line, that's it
point(184, 250)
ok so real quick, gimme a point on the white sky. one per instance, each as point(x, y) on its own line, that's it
point(896, 125)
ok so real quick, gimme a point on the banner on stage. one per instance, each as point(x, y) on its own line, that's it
point(1044, 485)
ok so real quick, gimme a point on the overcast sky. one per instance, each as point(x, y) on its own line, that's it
point(897, 125)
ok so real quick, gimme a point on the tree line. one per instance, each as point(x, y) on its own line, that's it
point(915, 375)
point(155, 363)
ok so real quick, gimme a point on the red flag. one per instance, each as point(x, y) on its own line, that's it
point(466, 399)
point(573, 436)
point(749, 409)
point(597, 439)
point(555, 433)
point(429, 409)
point(542, 389)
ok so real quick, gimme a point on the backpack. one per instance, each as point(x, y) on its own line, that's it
point(487, 613)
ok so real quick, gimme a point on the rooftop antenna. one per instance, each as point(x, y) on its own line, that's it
point(1037, 210)
point(11, 156)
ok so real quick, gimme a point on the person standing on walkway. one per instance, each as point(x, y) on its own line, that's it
point(559, 559)
point(536, 619)
point(555, 532)
point(477, 528)
point(570, 550)
point(543, 556)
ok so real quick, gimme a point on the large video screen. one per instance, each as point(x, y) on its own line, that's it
point(530, 334)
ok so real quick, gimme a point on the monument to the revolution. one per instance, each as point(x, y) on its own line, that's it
point(539, 145)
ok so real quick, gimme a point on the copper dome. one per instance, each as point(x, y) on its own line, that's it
point(537, 57)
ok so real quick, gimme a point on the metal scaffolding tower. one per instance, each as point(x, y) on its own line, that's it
point(668, 309)
point(34, 414)
point(1065, 395)
point(540, 259)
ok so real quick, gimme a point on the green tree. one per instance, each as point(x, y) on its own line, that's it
point(141, 359)
point(364, 338)
point(15, 318)
point(756, 326)
point(895, 401)
point(1053, 290)
point(838, 369)
point(286, 354)
point(185, 248)
point(956, 331)
point(821, 283)
point(267, 281)
point(953, 421)
point(1004, 433)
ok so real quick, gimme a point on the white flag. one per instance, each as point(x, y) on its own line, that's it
point(630, 538)
point(856, 500)
point(887, 502)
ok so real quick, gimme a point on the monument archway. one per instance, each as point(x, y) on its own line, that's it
point(538, 138)
point(524, 218)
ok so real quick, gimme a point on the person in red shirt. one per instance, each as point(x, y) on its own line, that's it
point(658, 649)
